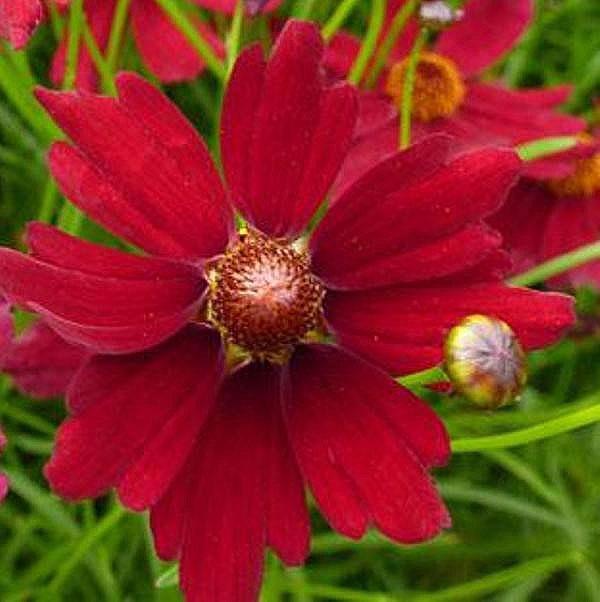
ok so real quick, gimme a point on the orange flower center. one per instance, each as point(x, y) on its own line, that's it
point(584, 181)
point(439, 89)
point(263, 297)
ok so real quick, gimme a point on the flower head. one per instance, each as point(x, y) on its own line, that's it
point(18, 20)
point(554, 215)
point(220, 450)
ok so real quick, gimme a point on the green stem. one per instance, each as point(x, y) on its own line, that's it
point(396, 27)
point(234, 37)
point(49, 199)
point(117, 29)
point(303, 9)
point(70, 219)
point(408, 88)
point(545, 430)
point(344, 8)
point(545, 147)
point(558, 265)
point(82, 547)
point(73, 43)
point(425, 377)
point(489, 584)
point(106, 76)
point(191, 33)
point(369, 43)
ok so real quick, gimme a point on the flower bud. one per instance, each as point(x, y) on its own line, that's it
point(437, 14)
point(485, 361)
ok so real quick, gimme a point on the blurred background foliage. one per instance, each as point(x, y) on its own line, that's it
point(526, 519)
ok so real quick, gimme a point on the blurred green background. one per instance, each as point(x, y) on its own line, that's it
point(526, 519)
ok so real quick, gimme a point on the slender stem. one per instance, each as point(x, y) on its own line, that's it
point(530, 151)
point(70, 219)
point(106, 75)
point(49, 199)
point(344, 8)
point(396, 27)
point(82, 547)
point(234, 37)
point(408, 89)
point(73, 43)
point(55, 20)
point(425, 377)
point(369, 43)
point(558, 265)
point(116, 33)
point(545, 430)
point(191, 33)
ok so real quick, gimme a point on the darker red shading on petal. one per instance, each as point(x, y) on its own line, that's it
point(359, 445)
point(41, 363)
point(101, 298)
point(165, 50)
point(18, 20)
point(402, 329)
point(99, 16)
point(284, 136)
point(125, 170)
point(488, 29)
point(135, 400)
point(421, 222)
point(239, 493)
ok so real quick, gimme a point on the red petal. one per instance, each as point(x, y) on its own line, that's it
point(340, 54)
point(403, 329)
point(41, 363)
point(279, 153)
point(418, 223)
point(345, 421)
point(228, 6)
point(522, 221)
point(4, 484)
point(124, 304)
point(18, 20)
point(110, 435)
point(510, 117)
point(488, 30)
point(163, 47)
point(237, 504)
point(573, 222)
point(99, 15)
point(126, 172)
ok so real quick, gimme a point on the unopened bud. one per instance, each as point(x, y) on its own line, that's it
point(437, 14)
point(485, 361)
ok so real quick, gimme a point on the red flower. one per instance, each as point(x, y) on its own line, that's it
point(543, 219)
point(40, 362)
point(448, 96)
point(164, 49)
point(208, 399)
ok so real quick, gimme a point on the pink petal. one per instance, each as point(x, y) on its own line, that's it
point(41, 363)
point(18, 20)
point(127, 173)
point(488, 30)
point(165, 50)
point(111, 435)
point(402, 329)
point(4, 484)
point(101, 298)
point(99, 15)
point(419, 222)
point(280, 153)
point(245, 493)
point(573, 222)
point(345, 420)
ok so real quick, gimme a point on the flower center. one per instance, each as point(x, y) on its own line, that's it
point(438, 89)
point(584, 181)
point(263, 297)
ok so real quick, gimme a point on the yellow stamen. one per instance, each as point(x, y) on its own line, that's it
point(584, 181)
point(439, 88)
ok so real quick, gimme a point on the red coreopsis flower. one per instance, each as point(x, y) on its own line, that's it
point(164, 49)
point(20, 18)
point(449, 95)
point(544, 219)
point(228, 370)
